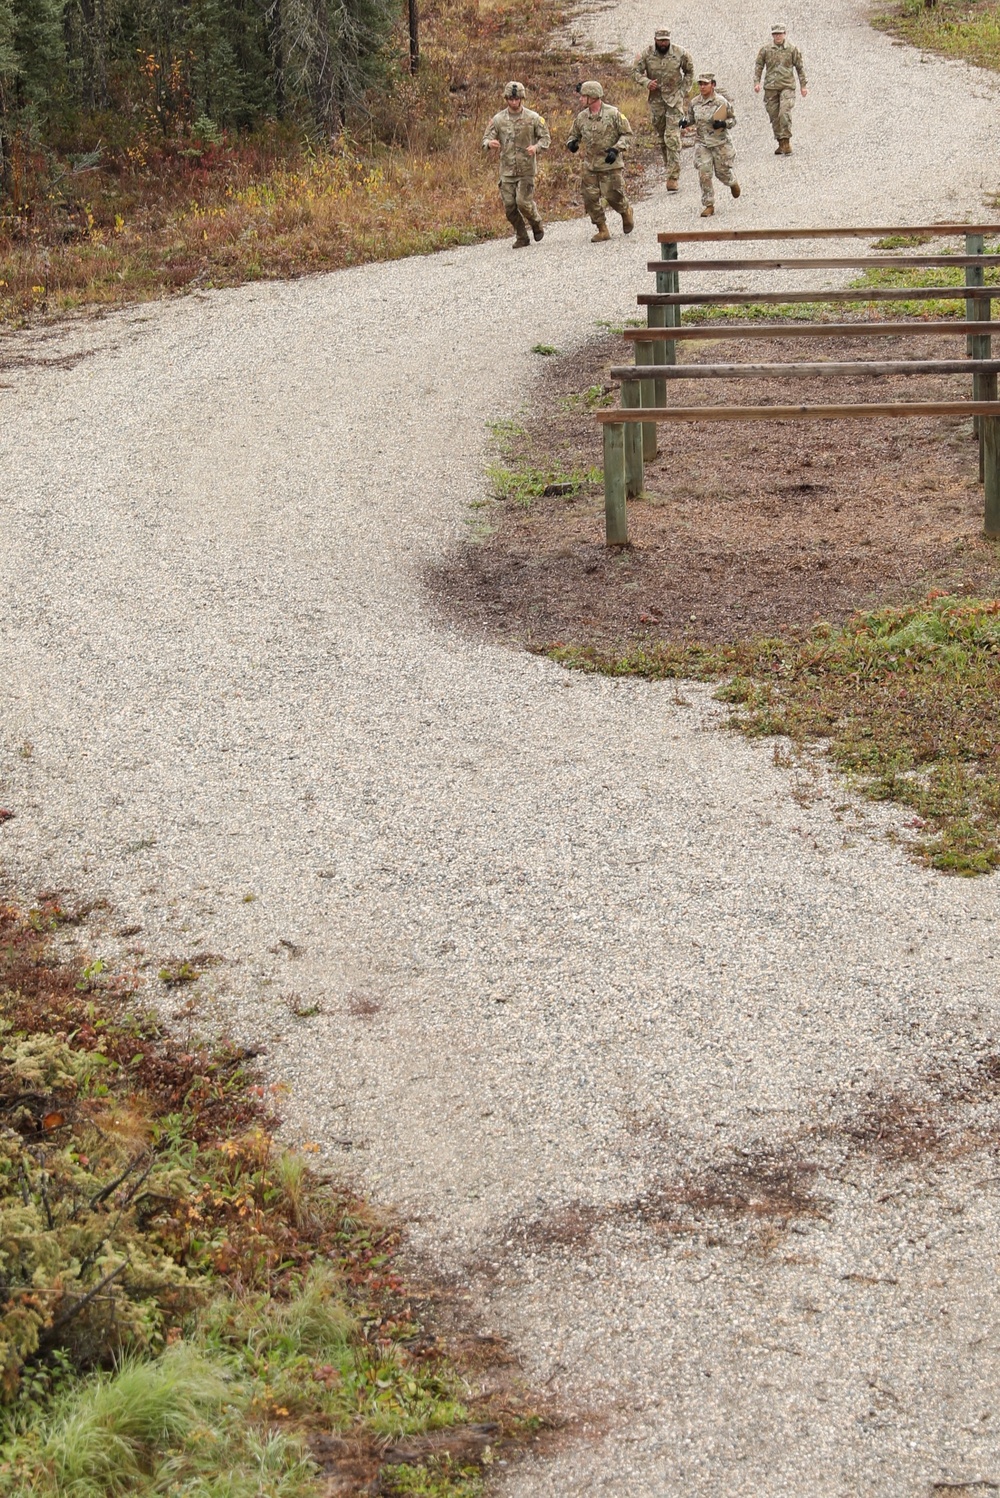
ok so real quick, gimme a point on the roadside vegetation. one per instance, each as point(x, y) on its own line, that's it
point(165, 187)
point(968, 29)
point(188, 1308)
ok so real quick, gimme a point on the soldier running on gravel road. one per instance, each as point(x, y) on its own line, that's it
point(518, 134)
point(667, 72)
point(712, 115)
point(778, 64)
point(605, 134)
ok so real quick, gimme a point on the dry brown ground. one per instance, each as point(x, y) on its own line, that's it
point(746, 529)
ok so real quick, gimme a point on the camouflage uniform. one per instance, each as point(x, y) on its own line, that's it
point(516, 132)
point(778, 66)
point(673, 70)
point(714, 155)
point(607, 130)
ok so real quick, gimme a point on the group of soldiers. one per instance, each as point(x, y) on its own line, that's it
point(602, 133)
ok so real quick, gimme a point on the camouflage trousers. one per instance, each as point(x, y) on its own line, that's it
point(714, 161)
point(518, 194)
point(609, 185)
point(779, 103)
point(667, 129)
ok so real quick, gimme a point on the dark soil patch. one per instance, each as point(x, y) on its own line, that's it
point(746, 529)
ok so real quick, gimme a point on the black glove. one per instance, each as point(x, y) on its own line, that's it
point(611, 157)
point(720, 124)
point(573, 145)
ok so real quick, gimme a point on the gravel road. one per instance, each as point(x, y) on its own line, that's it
point(576, 948)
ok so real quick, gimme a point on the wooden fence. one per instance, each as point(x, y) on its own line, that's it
point(630, 433)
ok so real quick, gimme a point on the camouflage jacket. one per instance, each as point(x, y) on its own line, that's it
point(600, 133)
point(778, 66)
point(516, 132)
point(673, 71)
point(702, 114)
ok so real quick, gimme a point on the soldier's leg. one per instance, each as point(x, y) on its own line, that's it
point(526, 205)
point(658, 120)
point(672, 150)
point(590, 186)
point(508, 192)
point(786, 103)
point(705, 167)
point(772, 103)
point(614, 192)
point(725, 162)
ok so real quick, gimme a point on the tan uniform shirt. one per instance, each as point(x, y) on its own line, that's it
point(778, 66)
point(702, 114)
point(600, 133)
point(673, 71)
point(516, 132)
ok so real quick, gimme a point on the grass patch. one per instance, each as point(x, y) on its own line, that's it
point(952, 28)
point(904, 698)
point(187, 1307)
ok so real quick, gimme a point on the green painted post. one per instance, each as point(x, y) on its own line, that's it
point(976, 310)
point(990, 453)
point(633, 440)
point(647, 397)
point(615, 510)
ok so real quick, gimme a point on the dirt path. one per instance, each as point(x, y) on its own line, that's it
point(576, 951)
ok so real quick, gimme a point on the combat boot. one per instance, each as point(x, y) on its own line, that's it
point(602, 233)
point(708, 210)
point(672, 184)
point(628, 221)
point(522, 242)
point(734, 188)
point(784, 148)
point(538, 231)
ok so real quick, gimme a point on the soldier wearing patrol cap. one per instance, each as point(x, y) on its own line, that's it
point(518, 134)
point(778, 65)
point(667, 72)
point(711, 113)
point(604, 134)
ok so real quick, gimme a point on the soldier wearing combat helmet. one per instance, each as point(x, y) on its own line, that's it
point(712, 115)
point(604, 135)
point(667, 72)
point(778, 65)
point(518, 134)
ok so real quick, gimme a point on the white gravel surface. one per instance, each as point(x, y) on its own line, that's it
point(573, 943)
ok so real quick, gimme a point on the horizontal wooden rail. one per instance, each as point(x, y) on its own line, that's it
point(831, 262)
point(799, 413)
point(671, 236)
point(807, 330)
point(870, 367)
point(869, 294)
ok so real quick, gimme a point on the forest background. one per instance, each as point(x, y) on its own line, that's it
point(153, 145)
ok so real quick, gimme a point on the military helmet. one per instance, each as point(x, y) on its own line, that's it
point(513, 90)
point(663, 35)
point(779, 26)
point(592, 90)
point(706, 77)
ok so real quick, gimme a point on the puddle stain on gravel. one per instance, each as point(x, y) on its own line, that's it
point(768, 1187)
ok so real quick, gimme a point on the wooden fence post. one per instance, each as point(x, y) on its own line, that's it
point(615, 509)
point(989, 452)
point(647, 397)
point(633, 440)
point(664, 317)
point(977, 310)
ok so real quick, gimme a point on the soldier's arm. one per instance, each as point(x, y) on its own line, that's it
point(759, 66)
point(625, 136)
point(492, 134)
point(542, 137)
point(800, 69)
point(687, 70)
point(640, 71)
point(576, 133)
